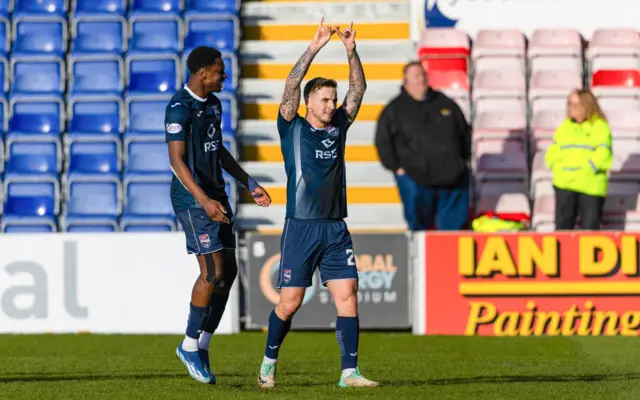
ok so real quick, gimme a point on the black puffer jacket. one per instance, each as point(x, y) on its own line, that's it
point(429, 139)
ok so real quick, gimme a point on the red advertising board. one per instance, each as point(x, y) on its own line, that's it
point(561, 284)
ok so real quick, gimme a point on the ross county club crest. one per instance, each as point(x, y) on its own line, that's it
point(332, 130)
point(216, 111)
point(287, 276)
point(204, 240)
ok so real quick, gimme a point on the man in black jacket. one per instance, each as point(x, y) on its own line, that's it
point(424, 139)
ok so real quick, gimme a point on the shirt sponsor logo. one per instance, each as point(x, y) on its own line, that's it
point(211, 131)
point(173, 128)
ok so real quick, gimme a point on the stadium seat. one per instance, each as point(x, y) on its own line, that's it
point(497, 83)
point(624, 124)
point(31, 196)
point(552, 85)
point(500, 159)
point(626, 160)
point(147, 202)
point(97, 7)
point(36, 115)
point(91, 115)
point(156, 34)
point(99, 34)
point(613, 42)
point(453, 82)
point(544, 124)
point(4, 77)
point(219, 31)
point(34, 155)
point(154, 73)
point(28, 225)
point(37, 75)
point(543, 218)
point(444, 49)
point(609, 104)
point(616, 83)
point(613, 63)
point(504, 63)
point(146, 154)
point(229, 112)
point(92, 200)
point(93, 155)
point(146, 226)
point(156, 6)
point(96, 74)
point(622, 202)
point(6, 7)
point(554, 42)
point(146, 113)
point(503, 197)
point(33, 35)
point(212, 7)
point(501, 43)
point(40, 7)
point(5, 35)
point(75, 225)
point(556, 63)
point(500, 125)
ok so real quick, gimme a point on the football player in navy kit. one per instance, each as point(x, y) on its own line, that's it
point(315, 233)
point(193, 132)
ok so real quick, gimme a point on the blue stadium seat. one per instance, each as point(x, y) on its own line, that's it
point(6, 7)
point(160, 33)
point(97, 74)
point(156, 6)
point(4, 115)
point(37, 75)
point(104, 34)
point(31, 196)
point(147, 202)
point(146, 226)
point(37, 36)
point(28, 225)
point(230, 68)
point(96, 7)
point(73, 225)
point(95, 115)
point(2, 160)
point(154, 73)
point(209, 7)
point(36, 115)
point(92, 200)
point(93, 155)
point(229, 111)
point(146, 113)
point(34, 155)
point(5, 35)
point(221, 32)
point(40, 7)
point(146, 154)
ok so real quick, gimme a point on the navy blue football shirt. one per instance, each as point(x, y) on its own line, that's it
point(314, 162)
point(197, 122)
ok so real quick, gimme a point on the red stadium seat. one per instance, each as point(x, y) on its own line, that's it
point(452, 80)
point(444, 49)
point(616, 78)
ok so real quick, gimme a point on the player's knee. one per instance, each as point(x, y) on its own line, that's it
point(290, 302)
point(345, 297)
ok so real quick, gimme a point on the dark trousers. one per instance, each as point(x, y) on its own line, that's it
point(569, 204)
point(424, 206)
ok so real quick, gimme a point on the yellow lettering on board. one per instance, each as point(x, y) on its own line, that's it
point(496, 258)
point(588, 264)
point(530, 255)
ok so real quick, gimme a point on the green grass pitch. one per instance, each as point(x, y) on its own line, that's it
point(410, 367)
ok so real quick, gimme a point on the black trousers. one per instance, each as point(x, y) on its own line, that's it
point(569, 204)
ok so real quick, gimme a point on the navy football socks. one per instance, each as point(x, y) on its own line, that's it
point(347, 335)
point(278, 329)
point(197, 316)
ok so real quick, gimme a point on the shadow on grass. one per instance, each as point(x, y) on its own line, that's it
point(516, 379)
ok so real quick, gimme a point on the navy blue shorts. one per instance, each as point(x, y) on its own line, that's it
point(307, 244)
point(204, 236)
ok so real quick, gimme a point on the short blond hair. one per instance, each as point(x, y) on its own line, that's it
point(592, 109)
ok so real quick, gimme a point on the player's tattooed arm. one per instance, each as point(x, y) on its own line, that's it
point(291, 96)
point(357, 81)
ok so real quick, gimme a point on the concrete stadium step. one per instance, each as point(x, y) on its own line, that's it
point(358, 173)
point(270, 90)
point(268, 111)
point(304, 31)
point(252, 131)
point(270, 151)
point(356, 194)
point(362, 217)
point(282, 12)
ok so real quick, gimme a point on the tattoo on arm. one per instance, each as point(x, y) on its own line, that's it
point(291, 96)
point(357, 86)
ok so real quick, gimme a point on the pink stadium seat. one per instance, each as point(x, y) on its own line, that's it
point(624, 124)
point(623, 201)
point(609, 104)
point(540, 174)
point(626, 160)
point(497, 83)
point(555, 42)
point(499, 63)
point(553, 84)
point(444, 49)
point(500, 124)
point(497, 43)
point(556, 63)
point(543, 127)
point(617, 42)
point(503, 197)
point(544, 208)
point(500, 159)
point(613, 63)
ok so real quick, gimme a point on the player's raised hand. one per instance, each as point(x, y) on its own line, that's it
point(348, 37)
point(216, 211)
point(322, 36)
point(261, 197)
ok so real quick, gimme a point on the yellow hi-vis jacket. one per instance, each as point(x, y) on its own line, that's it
point(580, 156)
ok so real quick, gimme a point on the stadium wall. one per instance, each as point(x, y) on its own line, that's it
point(113, 283)
point(529, 284)
point(524, 15)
